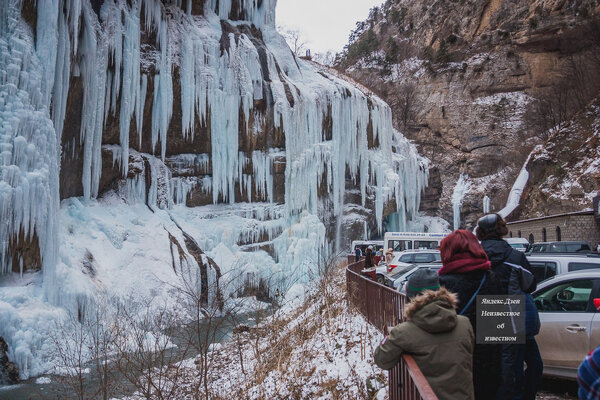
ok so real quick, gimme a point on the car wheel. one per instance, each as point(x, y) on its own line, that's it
point(380, 279)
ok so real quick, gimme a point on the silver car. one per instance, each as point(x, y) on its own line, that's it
point(397, 279)
point(570, 322)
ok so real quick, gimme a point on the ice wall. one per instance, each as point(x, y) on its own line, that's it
point(28, 142)
point(222, 75)
point(334, 133)
point(514, 197)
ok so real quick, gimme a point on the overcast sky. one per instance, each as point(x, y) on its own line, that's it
point(325, 24)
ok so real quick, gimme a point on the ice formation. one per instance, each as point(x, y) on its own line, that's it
point(463, 185)
point(514, 197)
point(28, 142)
point(128, 56)
point(486, 204)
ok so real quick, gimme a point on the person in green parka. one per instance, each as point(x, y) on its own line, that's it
point(440, 341)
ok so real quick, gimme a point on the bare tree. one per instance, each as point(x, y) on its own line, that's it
point(405, 103)
point(208, 318)
point(327, 58)
point(147, 358)
point(84, 349)
point(294, 39)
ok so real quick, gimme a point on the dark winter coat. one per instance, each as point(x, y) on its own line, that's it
point(487, 360)
point(368, 258)
point(508, 265)
point(440, 342)
point(512, 272)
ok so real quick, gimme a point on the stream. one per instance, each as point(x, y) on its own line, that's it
point(56, 388)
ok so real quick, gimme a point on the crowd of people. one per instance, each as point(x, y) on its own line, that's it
point(440, 323)
point(373, 257)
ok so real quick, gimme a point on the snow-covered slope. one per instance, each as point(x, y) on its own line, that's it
point(564, 172)
point(143, 107)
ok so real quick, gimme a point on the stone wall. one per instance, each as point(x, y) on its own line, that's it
point(574, 226)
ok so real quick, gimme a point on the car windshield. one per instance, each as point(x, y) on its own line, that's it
point(416, 269)
point(399, 271)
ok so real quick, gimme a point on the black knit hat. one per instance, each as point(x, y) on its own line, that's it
point(423, 279)
point(487, 223)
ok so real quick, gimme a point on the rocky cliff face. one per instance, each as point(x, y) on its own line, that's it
point(476, 83)
point(564, 172)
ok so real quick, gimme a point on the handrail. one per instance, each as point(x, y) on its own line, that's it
point(382, 307)
point(418, 378)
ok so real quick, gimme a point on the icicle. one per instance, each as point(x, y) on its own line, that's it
point(130, 93)
point(460, 190)
point(162, 107)
point(47, 43)
point(62, 73)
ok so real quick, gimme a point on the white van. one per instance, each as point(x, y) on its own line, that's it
point(547, 265)
point(401, 241)
point(363, 244)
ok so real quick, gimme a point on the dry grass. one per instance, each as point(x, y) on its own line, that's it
point(291, 355)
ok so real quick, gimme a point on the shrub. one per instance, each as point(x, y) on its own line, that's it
point(533, 23)
point(442, 53)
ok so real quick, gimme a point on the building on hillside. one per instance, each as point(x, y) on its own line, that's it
point(580, 225)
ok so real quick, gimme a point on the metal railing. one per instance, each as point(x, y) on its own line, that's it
point(382, 307)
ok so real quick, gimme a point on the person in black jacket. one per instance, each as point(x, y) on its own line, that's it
point(466, 272)
point(369, 257)
point(513, 274)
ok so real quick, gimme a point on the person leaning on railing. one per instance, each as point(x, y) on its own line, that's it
point(440, 341)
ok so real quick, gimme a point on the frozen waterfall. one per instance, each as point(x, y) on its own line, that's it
point(460, 190)
point(218, 97)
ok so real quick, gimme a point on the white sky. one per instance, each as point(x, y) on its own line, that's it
point(325, 24)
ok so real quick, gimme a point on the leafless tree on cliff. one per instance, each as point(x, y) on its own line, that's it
point(327, 58)
point(405, 103)
point(294, 39)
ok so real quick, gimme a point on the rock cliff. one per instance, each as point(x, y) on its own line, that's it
point(478, 83)
point(564, 172)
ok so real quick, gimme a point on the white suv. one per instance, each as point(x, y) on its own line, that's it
point(419, 257)
point(546, 265)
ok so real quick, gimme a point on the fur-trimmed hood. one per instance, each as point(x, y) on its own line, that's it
point(433, 311)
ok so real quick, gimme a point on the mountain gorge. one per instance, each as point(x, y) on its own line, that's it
point(143, 142)
point(477, 85)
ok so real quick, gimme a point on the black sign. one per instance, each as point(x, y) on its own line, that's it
point(500, 319)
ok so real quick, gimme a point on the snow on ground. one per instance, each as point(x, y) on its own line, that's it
point(114, 251)
point(317, 349)
point(569, 181)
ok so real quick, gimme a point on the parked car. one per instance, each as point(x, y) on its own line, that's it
point(520, 244)
point(560, 247)
point(397, 279)
point(410, 257)
point(546, 265)
point(570, 323)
